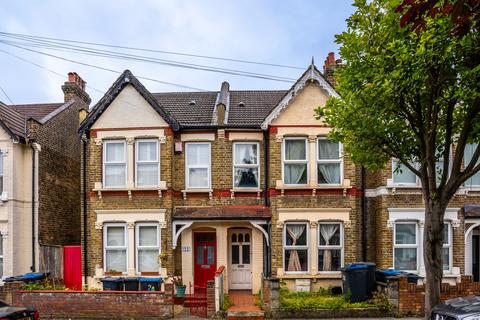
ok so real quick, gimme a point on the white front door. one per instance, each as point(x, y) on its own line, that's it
point(240, 259)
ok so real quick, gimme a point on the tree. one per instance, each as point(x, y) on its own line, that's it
point(411, 96)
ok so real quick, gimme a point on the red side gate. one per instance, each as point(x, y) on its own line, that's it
point(72, 267)
point(198, 302)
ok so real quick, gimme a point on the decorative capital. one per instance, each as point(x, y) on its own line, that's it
point(4, 234)
point(130, 225)
point(421, 223)
point(280, 224)
point(455, 223)
point(130, 141)
point(347, 223)
point(279, 137)
point(312, 138)
point(390, 223)
point(98, 225)
point(313, 224)
point(162, 139)
point(98, 141)
point(163, 224)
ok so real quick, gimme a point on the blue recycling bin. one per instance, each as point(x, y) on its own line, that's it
point(112, 284)
point(150, 284)
point(358, 281)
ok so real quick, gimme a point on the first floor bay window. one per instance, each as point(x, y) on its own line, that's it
point(147, 163)
point(148, 247)
point(245, 165)
point(295, 161)
point(330, 248)
point(402, 175)
point(406, 246)
point(329, 162)
point(115, 164)
point(115, 247)
point(296, 247)
point(198, 165)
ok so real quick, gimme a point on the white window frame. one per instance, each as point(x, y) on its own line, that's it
point(298, 247)
point(417, 179)
point(188, 167)
point(323, 161)
point(257, 166)
point(449, 245)
point(2, 170)
point(331, 247)
point(106, 248)
point(466, 184)
point(407, 246)
point(137, 241)
point(306, 161)
point(125, 162)
point(137, 161)
point(2, 248)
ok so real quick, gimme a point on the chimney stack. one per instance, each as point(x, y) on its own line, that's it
point(329, 67)
point(74, 88)
point(223, 103)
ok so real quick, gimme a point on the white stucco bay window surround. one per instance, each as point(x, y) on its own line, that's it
point(312, 217)
point(417, 216)
point(130, 218)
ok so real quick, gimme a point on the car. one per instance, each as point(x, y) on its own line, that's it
point(463, 308)
point(17, 313)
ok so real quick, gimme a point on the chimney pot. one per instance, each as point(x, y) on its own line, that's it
point(331, 58)
point(75, 87)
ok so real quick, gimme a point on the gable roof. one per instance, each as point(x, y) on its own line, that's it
point(312, 74)
point(37, 111)
point(13, 122)
point(122, 81)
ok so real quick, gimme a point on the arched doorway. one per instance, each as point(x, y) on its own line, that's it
point(472, 249)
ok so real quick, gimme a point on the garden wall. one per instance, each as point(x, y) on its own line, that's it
point(97, 304)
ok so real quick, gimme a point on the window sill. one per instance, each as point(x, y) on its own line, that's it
point(345, 186)
point(99, 189)
point(245, 190)
point(319, 275)
point(199, 190)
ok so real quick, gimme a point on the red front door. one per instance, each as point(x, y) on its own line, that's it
point(205, 258)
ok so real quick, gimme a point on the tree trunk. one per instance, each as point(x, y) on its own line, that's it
point(432, 252)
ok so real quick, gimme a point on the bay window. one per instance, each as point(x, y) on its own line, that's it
point(115, 247)
point(198, 165)
point(114, 164)
point(147, 247)
point(474, 181)
point(246, 165)
point(295, 247)
point(330, 246)
point(406, 246)
point(295, 161)
point(147, 163)
point(329, 162)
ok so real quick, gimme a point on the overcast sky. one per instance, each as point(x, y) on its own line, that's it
point(280, 32)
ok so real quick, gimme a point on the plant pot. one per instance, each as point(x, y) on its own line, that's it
point(180, 290)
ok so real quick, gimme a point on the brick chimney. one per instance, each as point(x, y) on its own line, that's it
point(329, 67)
point(223, 103)
point(74, 88)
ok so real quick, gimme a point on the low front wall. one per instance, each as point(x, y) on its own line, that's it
point(97, 304)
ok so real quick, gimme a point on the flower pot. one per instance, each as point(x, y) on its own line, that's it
point(180, 289)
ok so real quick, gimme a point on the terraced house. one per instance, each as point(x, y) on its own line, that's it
point(181, 183)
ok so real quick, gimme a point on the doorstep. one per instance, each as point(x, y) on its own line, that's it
point(244, 306)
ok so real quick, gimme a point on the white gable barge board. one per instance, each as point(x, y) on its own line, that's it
point(311, 74)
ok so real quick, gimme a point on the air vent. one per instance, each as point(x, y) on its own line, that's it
point(192, 103)
point(241, 104)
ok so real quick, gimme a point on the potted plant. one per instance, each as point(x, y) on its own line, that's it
point(113, 272)
point(179, 286)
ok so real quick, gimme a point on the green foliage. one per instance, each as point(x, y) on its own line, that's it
point(324, 300)
point(403, 94)
point(46, 284)
point(227, 303)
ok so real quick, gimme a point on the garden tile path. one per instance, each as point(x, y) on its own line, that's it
point(243, 300)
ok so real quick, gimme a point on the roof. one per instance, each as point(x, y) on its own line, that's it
point(36, 111)
point(226, 212)
point(12, 121)
point(472, 211)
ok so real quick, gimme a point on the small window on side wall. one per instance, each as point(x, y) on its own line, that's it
point(246, 165)
point(295, 161)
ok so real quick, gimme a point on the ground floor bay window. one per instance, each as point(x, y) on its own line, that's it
point(296, 247)
point(115, 248)
point(330, 246)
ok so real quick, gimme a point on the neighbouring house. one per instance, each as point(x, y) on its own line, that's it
point(181, 183)
point(40, 181)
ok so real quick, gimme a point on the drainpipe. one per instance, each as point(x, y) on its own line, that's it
point(266, 201)
point(35, 150)
point(84, 204)
point(363, 204)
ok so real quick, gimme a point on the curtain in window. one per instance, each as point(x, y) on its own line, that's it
point(295, 150)
point(198, 177)
point(328, 150)
point(198, 154)
point(329, 173)
point(147, 174)
point(295, 231)
point(115, 152)
point(246, 177)
point(245, 154)
point(295, 173)
point(148, 260)
point(327, 231)
point(147, 151)
point(116, 260)
point(115, 236)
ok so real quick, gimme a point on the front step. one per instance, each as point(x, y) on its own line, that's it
point(245, 315)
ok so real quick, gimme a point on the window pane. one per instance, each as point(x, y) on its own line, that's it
point(1, 267)
point(246, 254)
point(148, 260)
point(446, 239)
point(469, 151)
point(198, 154)
point(198, 177)
point(210, 255)
point(329, 173)
point(405, 258)
point(235, 254)
point(234, 237)
point(295, 173)
point(147, 236)
point(329, 234)
point(147, 174)
point(115, 175)
point(296, 260)
point(115, 236)
point(295, 150)
point(329, 260)
point(246, 177)
point(1, 245)
point(328, 149)
point(296, 235)
point(446, 258)
point(240, 237)
point(199, 255)
point(147, 150)
point(246, 154)
point(115, 151)
point(402, 174)
point(405, 233)
point(247, 237)
point(116, 260)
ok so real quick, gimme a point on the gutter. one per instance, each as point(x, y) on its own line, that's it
point(363, 204)
point(266, 201)
point(35, 150)
point(84, 210)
